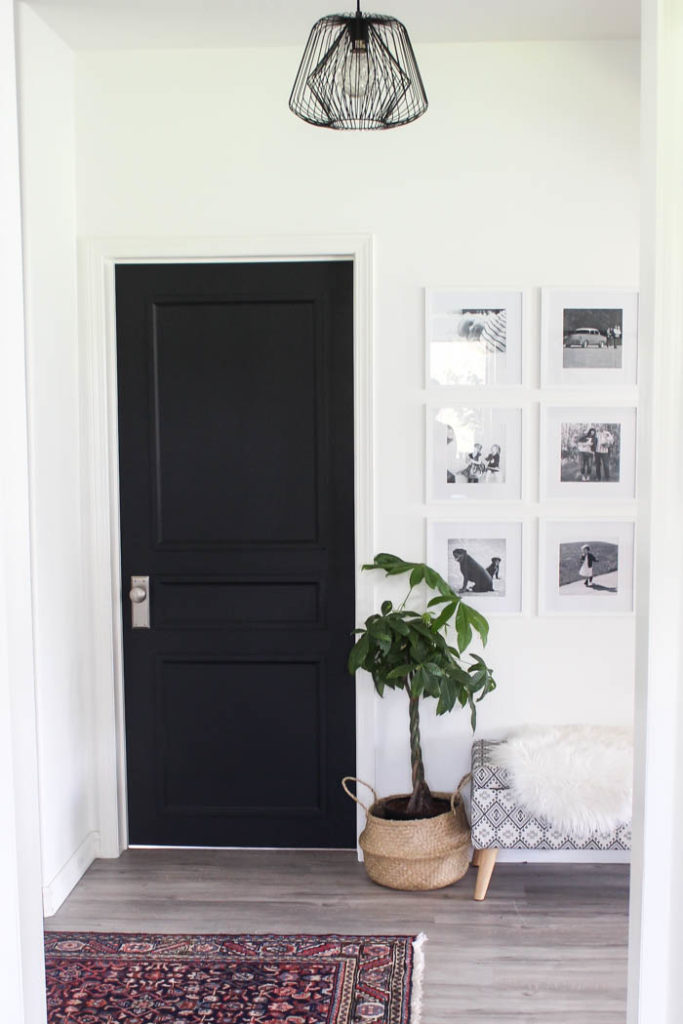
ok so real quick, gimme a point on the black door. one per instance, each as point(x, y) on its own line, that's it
point(235, 390)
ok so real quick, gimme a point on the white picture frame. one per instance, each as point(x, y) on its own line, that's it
point(589, 337)
point(565, 586)
point(483, 542)
point(474, 452)
point(473, 337)
point(572, 438)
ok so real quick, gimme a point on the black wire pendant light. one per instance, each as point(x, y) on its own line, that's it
point(358, 71)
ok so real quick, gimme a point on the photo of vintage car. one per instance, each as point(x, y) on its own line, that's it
point(585, 337)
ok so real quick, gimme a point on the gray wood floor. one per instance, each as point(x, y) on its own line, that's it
point(548, 946)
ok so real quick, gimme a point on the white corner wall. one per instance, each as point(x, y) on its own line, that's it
point(22, 969)
point(524, 173)
point(64, 713)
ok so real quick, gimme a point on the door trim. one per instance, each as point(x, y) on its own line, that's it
point(100, 479)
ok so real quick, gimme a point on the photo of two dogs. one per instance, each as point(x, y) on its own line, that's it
point(475, 578)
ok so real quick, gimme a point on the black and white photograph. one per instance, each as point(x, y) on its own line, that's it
point(473, 338)
point(473, 452)
point(588, 452)
point(592, 338)
point(481, 561)
point(589, 338)
point(591, 565)
point(586, 567)
point(477, 566)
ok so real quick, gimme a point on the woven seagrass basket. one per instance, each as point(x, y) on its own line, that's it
point(427, 853)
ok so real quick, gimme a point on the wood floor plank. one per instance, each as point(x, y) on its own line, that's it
point(547, 946)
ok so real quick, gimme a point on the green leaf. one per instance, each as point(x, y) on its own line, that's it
point(417, 575)
point(379, 629)
point(440, 599)
point(458, 674)
point(386, 607)
point(447, 697)
point(401, 671)
point(432, 685)
point(435, 669)
point(447, 614)
point(478, 622)
point(473, 713)
point(462, 626)
point(418, 651)
point(431, 578)
point(398, 625)
point(359, 653)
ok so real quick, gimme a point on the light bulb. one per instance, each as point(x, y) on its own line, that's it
point(356, 72)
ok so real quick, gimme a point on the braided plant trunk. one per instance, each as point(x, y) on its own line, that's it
point(421, 803)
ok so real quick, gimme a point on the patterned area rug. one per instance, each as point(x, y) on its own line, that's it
point(97, 978)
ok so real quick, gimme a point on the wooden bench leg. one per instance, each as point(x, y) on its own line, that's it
point(475, 858)
point(486, 861)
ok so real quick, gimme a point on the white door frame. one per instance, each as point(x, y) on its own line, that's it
point(98, 258)
point(656, 920)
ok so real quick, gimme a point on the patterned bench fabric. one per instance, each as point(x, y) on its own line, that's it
point(497, 821)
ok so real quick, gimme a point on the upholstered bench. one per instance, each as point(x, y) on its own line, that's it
point(498, 823)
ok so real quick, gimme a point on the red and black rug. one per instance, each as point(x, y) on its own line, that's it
point(232, 979)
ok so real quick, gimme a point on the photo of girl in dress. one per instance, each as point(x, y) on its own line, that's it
point(590, 452)
point(588, 566)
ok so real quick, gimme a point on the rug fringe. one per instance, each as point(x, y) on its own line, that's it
point(418, 978)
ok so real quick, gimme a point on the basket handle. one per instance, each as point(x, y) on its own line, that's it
point(456, 796)
point(359, 782)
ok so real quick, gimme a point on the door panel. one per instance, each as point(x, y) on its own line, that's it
point(236, 469)
point(202, 354)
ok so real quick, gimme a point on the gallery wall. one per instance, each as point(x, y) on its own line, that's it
point(523, 173)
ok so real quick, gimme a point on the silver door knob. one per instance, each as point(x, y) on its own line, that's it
point(139, 601)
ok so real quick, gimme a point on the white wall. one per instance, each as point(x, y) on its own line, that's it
point(524, 172)
point(69, 839)
point(22, 973)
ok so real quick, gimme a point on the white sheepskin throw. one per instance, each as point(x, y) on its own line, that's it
point(578, 777)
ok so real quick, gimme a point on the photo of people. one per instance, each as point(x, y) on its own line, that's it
point(474, 338)
point(592, 338)
point(477, 565)
point(474, 452)
point(473, 462)
point(590, 452)
point(588, 567)
point(588, 449)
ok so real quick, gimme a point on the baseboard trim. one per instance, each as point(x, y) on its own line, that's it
point(68, 876)
point(564, 856)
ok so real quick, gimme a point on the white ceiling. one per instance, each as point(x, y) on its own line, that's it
point(145, 24)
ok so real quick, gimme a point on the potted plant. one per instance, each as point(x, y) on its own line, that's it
point(410, 650)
